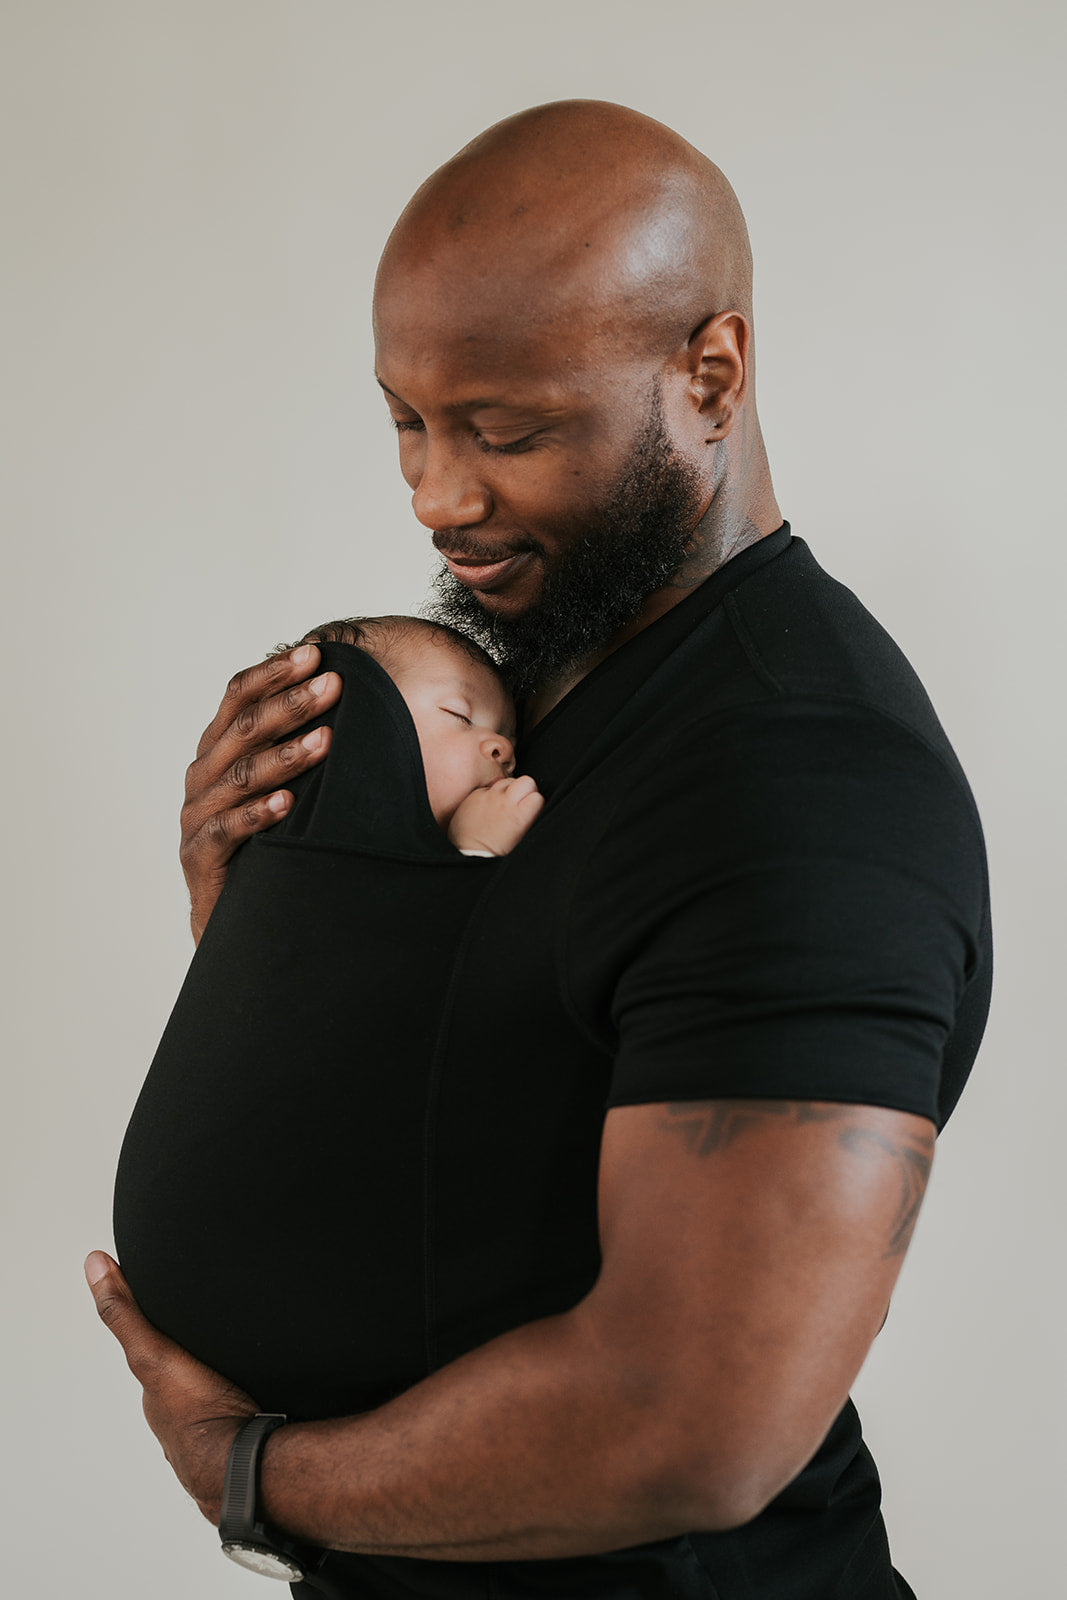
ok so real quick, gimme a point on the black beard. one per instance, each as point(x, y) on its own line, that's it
point(627, 549)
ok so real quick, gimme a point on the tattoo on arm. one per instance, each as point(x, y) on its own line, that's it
point(913, 1168)
point(708, 1126)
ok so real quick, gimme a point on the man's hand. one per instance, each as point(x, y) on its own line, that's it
point(193, 1412)
point(496, 818)
point(231, 789)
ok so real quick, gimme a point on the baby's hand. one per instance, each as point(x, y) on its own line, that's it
point(496, 818)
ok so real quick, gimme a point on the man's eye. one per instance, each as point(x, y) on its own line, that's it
point(514, 448)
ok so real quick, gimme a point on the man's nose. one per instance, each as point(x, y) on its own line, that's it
point(449, 492)
point(498, 747)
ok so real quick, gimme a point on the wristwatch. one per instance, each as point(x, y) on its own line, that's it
point(246, 1538)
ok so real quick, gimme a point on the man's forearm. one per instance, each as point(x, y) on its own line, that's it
point(534, 1446)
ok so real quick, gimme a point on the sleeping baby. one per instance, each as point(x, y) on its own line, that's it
point(465, 723)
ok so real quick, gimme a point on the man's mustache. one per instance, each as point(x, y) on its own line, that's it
point(460, 549)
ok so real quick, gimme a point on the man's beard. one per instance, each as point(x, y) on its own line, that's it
point(625, 550)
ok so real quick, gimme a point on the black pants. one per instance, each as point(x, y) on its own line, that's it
point(671, 1569)
point(668, 1570)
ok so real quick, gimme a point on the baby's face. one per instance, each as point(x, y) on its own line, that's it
point(464, 718)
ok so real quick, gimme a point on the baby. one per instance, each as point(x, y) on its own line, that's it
point(465, 722)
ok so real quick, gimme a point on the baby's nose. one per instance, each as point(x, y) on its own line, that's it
point(498, 747)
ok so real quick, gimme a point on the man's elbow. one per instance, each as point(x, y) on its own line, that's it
point(709, 1490)
point(709, 1505)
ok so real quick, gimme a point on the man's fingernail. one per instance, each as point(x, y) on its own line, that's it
point(320, 684)
point(278, 802)
point(96, 1265)
point(312, 740)
point(301, 655)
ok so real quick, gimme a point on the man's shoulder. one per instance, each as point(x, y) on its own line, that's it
point(806, 635)
point(804, 657)
point(790, 704)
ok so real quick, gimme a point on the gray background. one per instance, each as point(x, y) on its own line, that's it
point(194, 197)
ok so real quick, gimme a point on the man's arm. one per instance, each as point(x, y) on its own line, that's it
point(231, 789)
point(749, 1252)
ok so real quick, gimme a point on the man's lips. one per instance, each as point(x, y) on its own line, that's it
point(477, 574)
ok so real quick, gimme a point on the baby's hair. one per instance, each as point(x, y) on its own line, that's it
point(384, 637)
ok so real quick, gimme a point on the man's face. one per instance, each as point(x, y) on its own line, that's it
point(548, 479)
point(622, 550)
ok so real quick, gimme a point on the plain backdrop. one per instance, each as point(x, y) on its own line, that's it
point(197, 465)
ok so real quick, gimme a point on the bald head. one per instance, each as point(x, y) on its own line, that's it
point(562, 333)
point(576, 211)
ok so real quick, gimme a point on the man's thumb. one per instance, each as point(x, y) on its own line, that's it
point(115, 1304)
point(97, 1264)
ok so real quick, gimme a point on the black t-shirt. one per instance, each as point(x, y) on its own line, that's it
point(369, 1140)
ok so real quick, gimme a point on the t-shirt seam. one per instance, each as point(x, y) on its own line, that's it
point(743, 635)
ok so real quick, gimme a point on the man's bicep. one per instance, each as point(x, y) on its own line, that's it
point(749, 1251)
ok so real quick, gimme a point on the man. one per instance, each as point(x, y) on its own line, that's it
point(752, 922)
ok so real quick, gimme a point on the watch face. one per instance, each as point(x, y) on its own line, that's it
point(258, 1558)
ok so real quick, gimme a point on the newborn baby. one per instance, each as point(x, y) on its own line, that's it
point(465, 722)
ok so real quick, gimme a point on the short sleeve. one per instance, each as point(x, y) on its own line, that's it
point(794, 899)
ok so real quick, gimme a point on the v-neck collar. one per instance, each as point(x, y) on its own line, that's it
point(562, 737)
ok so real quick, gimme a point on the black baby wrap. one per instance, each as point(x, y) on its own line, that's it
point(271, 1193)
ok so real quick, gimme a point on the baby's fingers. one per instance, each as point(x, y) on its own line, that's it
point(517, 789)
point(529, 806)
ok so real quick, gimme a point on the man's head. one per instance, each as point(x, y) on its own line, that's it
point(464, 716)
point(567, 300)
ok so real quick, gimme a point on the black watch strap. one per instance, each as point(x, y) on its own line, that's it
point(240, 1489)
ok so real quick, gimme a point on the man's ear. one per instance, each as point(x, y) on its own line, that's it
point(717, 366)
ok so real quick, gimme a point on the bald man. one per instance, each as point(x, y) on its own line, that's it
point(704, 1024)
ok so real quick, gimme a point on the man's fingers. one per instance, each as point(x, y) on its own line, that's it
point(254, 683)
point(257, 726)
point(262, 770)
point(209, 849)
point(236, 785)
point(253, 756)
point(215, 823)
point(246, 799)
point(141, 1343)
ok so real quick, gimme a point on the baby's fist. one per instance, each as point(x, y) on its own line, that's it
point(496, 818)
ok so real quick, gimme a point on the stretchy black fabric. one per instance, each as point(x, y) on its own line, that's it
point(368, 1142)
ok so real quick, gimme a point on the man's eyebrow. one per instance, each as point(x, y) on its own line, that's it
point(480, 402)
